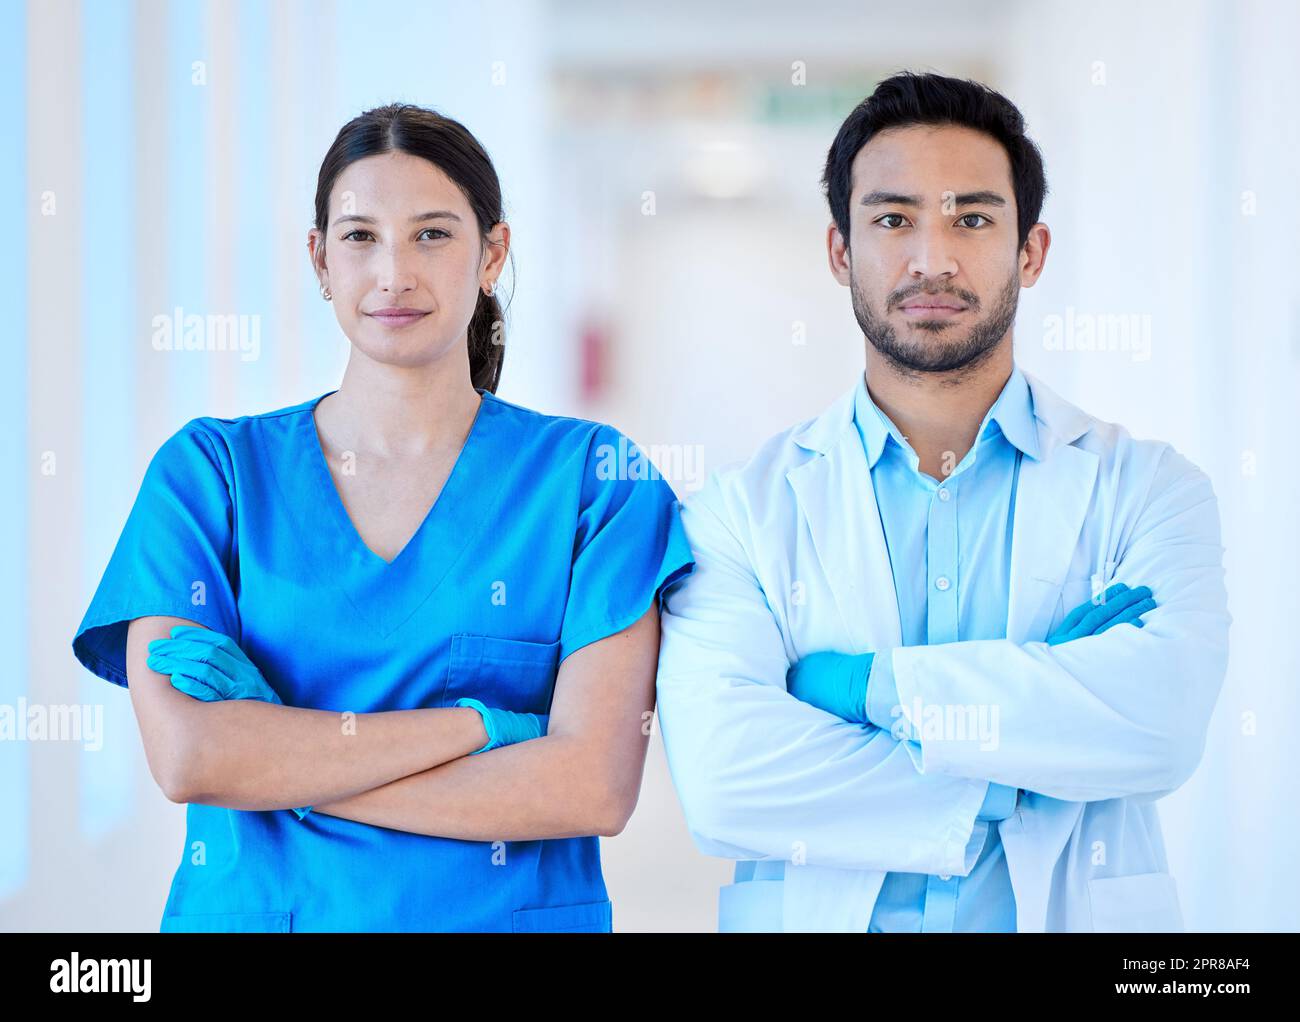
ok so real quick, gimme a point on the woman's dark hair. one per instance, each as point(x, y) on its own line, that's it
point(907, 99)
point(447, 144)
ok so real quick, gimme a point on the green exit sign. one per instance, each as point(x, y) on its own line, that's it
point(791, 103)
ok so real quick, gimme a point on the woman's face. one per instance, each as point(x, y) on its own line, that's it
point(401, 235)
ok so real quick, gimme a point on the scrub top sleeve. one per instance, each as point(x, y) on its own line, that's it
point(175, 556)
point(630, 547)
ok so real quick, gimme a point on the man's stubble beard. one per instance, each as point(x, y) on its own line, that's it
point(961, 356)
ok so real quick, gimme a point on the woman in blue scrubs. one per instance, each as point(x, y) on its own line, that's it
point(395, 645)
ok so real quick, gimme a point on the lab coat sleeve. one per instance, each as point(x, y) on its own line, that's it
point(1123, 713)
point(761, 775)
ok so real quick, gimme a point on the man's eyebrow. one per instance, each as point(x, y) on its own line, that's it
point(879, 198)
point(435, 214)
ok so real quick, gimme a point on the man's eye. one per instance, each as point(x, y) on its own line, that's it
point(891, 216)
point(978, 216)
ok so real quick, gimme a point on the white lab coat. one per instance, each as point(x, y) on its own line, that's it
point(791, 559)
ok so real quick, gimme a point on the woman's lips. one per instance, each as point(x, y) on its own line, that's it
point(394, 319)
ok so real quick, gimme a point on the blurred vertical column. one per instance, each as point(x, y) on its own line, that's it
point(20, 199)
point(54, 467)
point(282, 148)
point(102, 384)
point(1255, 377)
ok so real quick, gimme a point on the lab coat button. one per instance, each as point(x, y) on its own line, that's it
point(941, 583)
point(944, 877)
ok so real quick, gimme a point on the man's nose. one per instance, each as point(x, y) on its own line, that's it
point(932, 254)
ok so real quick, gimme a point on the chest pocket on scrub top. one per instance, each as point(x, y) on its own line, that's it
point(509, 674)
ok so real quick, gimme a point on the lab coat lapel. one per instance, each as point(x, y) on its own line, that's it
point(1052, 498)
point(1052, 501)
point(838, 502)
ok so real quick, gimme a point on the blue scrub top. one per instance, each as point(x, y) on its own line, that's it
point(550, 533)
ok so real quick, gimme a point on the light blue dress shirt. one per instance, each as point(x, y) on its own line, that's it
point(950, 552)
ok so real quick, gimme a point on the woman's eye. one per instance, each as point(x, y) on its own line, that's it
point(436, 230)
point(977, 216)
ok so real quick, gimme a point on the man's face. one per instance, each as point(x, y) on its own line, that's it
point(933, 262)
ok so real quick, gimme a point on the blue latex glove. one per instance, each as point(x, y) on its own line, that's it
point(1116, 606)
point(834, 682)
point(505, 727)
point(210, 666)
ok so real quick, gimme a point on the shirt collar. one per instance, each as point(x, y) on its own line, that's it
point(1012, 414)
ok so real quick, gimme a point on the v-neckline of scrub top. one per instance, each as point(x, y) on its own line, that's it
point(387, 593)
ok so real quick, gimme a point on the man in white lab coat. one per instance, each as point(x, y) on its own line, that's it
point(966, 762)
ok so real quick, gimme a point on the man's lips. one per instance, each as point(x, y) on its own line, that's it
point(931, 309)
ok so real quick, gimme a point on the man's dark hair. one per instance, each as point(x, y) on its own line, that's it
point(909, 98)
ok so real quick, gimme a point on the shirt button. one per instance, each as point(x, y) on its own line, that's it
point(941, 583)
point(944, 495)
